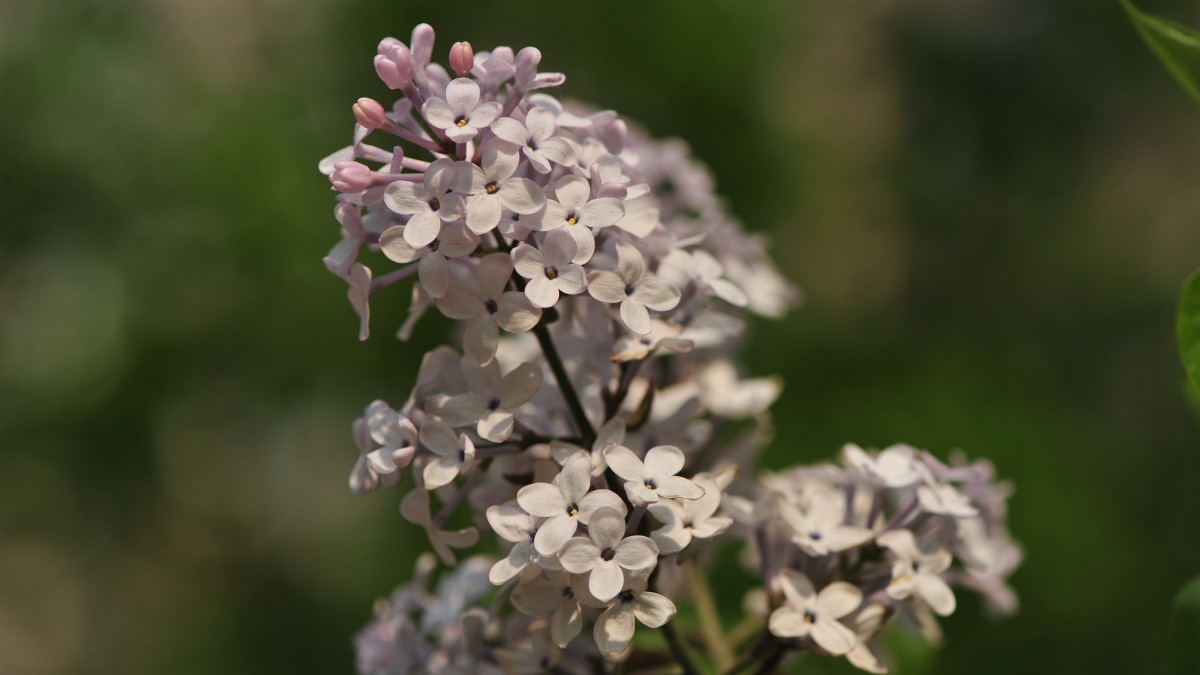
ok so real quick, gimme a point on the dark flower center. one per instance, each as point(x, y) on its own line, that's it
point(650, 484)
point(493, 404)
point(491, 188)
point(551, 272)
point(629, 289)
point(491, 306)
point(626, 595)
point(460, 121)
point(572, 509)
point(607, 554)
point(435, 204)
point(809, 616)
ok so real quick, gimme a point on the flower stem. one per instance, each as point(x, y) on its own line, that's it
point(677, 648)
point(710, 621)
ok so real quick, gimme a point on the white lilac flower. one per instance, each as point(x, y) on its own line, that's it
point(536, 139)
point(615, 626)
point(613, 432)
point(461, 115)
point(396, 436)
point(633, 288)
point(897, 466)
point(550, 270)
point(574, 211)
point(455, 241)
point(518, 528)
point(415, 509)
point(819, 528)
point(552, 594)
point(490, 400)
point(605, 552)
point(454, 454)
point(809, 614)
point(662, 336)
point(487, 307)
point(944, 499)
point(686, 519)
point(650, 480)
point(565, 504)
point(917, 570)
point(494, 188)
point(436, 199)
point(680, 266)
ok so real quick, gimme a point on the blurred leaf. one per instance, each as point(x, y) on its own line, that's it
point(1189, 327)
point(1177, 45)
point(1183, 633)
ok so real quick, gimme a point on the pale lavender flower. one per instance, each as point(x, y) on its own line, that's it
point(574, 211)
point(518, 528)
point(487, 307)
point(461, 114)
point(490, 400)
point(565, 504)
point(809, 614)
point(650, 480)
point(454, 241)
point(552, 594)
point(494, 188)
point(917, 570)
point(685, 519)
point(549, 270)
point(536, 139)
point(633, 288)
point(605, 552)
point(615, 626)
point(430, 203)
point(454, 455)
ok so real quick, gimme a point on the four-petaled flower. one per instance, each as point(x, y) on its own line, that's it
point(630, 286)
point(536, 139)
point(455, 241)
point(434, 200)
point(650, 480)
point(574, 210)
point(605, 552)
point(516, 527)
point(490, 400)
point(819, 528)
point(687, 518)
point(487, 307)
point(493, 189)
point(460, 114)
point(917, 570)
point(553, 593)
point(615, 625)
point(806, 613)
point(565, 503)
point(454, 454)
point(550, 270)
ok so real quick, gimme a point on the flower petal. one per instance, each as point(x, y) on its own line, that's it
point(512, 524)
point(508, 129)
point(838, 599)
point(664, 460)
point(542, 499)
point(656, 294)
point(462, 94)
point(606, 286)
point(624, 463)
point(602, 212)
point(484, 114)
point(606, 579)
point(539, 122)
point(676, 487)
point(594, 501)
point(554, 533)
point(787, 622)
point(585, 243)
point(652, 609)
point(572, 192)
point(636, 552)
point(496, 426)
point(635, 316)
point(606, 527)
point(630, 264)
point(438, 113)
point(934, 591)
point(614, 628)
point(833, 637)
point(441, 471)
point(483, 213)
point(392, 243)
point(516, 314)
point(480, 339)
point(422, 229)
point(521, 195)
point(541, 291)
point(434, 274)
point(566, 623)
point(557, 150)
point(460, 301)
point(528, 261)
point(511, 565)
point(520, 386)
point(571, 280)
point(579, 555)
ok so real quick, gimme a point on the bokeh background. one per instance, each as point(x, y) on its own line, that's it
point(991, 207)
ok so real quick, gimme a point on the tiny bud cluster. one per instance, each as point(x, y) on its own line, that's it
point(588, 419)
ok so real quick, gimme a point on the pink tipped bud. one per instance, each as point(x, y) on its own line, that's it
point(387, 44)
point(350, 177)
point(370, 113)
point(462, 58)
point(395, 68)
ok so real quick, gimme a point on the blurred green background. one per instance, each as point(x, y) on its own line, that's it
point(991, 206)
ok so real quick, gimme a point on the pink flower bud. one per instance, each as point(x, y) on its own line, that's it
point(370, 113)
point(387, 44)
point(462, 58)
point(395, 68)
point(350, 177)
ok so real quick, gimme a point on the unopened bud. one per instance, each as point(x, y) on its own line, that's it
point(462, 58)
point(370, 113)
point(350, 177)
point(387, 44)
point(395, 68)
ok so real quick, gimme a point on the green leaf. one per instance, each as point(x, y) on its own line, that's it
point(1189, 328)
point(1183, 633)
point(1177, 45)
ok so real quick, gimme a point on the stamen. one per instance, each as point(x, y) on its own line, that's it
point(491, 188)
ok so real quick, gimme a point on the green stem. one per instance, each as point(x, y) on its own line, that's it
point(677, 648)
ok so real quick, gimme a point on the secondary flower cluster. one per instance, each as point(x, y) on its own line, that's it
point(593, 418)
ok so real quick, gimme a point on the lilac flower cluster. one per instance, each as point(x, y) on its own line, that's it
point(594, 419)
